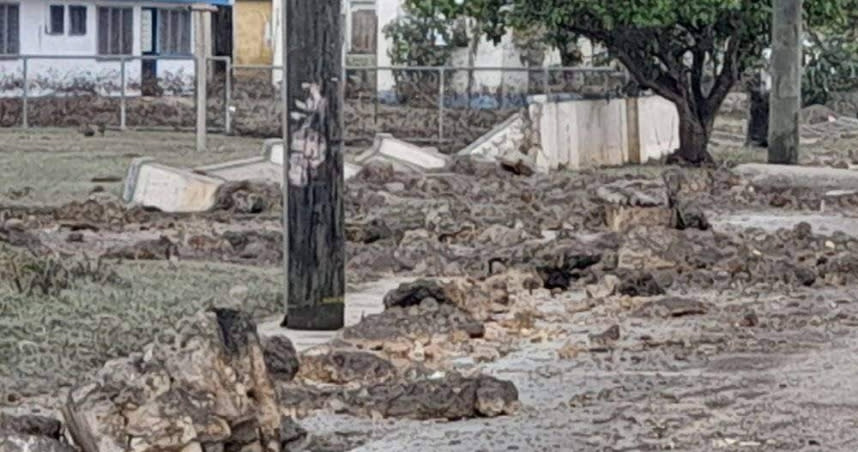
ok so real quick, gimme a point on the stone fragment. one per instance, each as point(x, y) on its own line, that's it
point(209, 386)
point(280, 356)
point(345, 367)
point(19, 442)
point(31, 425)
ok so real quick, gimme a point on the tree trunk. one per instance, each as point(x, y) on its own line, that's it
point(314, 182)
point(785, 97)
point(693, 138)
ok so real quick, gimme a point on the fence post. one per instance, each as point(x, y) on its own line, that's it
point(547, 81)
point(122, 106)
point(227, 94)
point(25, 123)
point(440, 105)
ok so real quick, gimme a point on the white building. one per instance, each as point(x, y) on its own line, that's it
point(107, 29)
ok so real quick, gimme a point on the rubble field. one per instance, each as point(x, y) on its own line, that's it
point(634, 308)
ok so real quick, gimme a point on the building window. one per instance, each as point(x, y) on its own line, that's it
point(174, 31)
point(56, 20)
point(9, 44)
point(77, 20)
point(363, 35)
point(115, 31)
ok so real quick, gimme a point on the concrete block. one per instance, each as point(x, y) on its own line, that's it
point(131, 177)
point(171, 189)
point(403, 155)
point(252, 169)
point(488, 145)
point(272, 150)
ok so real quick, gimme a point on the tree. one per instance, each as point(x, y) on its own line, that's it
point(689, 52)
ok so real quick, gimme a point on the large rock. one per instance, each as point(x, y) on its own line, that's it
point(19, 442)
point(31, 425)
point(206, 389)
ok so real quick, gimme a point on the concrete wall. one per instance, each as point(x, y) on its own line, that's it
point(253, 37)
point(559, 133)
point(578, 134)
point(35, 40)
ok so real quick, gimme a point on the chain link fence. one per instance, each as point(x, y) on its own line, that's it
point(446, 107)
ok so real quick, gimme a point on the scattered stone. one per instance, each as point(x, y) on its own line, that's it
point(19, 442)
point(367, 232)
point(639, 284)
point(671, 307)
point(451, 397)
point(413, 294)
point(75, 237)
point(290, 433)
point(399, 323)
point(604, 288)
point(248, 197)
point(210, 386)
point(346, 367)
point(606, 338)
point(280, 356)
point(31, 425)
point(157, 249)
point(749, 319)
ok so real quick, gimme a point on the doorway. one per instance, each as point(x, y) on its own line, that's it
point(148, 48)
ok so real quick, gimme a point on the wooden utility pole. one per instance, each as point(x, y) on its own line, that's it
point(785, 97)
point(313, 166)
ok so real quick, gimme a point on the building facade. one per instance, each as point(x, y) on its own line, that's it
point(105, 30)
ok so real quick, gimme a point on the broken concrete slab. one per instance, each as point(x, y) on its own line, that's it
point(502, 138)
point(403, 155)
point(777, 177)
point(169, 189)
point(273, 153)
point(252, 169)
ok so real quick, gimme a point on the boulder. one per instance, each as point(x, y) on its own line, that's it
point(31, 425)
point(19, 442)
point(280, 356)
point(205, 388)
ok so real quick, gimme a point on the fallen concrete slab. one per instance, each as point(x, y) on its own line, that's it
point(252, 169)
point(273, 153)
point(169, 189)
point(788, 176)
point(502, 138)
point(403, 155)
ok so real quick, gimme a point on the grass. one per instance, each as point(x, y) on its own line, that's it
point(50, 167)
point(49, 342)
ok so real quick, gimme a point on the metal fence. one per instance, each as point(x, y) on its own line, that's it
point(442, 106)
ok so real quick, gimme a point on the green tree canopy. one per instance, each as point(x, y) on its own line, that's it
point(691, 52)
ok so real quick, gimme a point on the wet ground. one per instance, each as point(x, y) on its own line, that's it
point(638, 335)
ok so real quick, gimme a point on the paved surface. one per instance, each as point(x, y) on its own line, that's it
point(361, 301)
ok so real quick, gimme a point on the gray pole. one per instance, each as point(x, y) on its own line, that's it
point(202, 46)
point(785, 97)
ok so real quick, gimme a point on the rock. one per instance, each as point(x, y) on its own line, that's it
point(344, 367)
point(671, 307)
point(397, 323)
point(19, 442)
point(607, 337)
point(604, 288)
point(518, 163)
point(412, 294)
point(75, 237)
point(639, 284)
point(158, 249)
point(376, 172)
point(749, 319)
point(248, 197)
point(31, 425)
point(209, 386)
point(280, 356)
point(290, 433)
point(369, 231)
point(451, 397)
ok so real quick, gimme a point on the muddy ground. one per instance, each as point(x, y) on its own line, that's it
point(620, 331)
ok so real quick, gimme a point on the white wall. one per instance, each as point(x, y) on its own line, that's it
point(34, 40)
